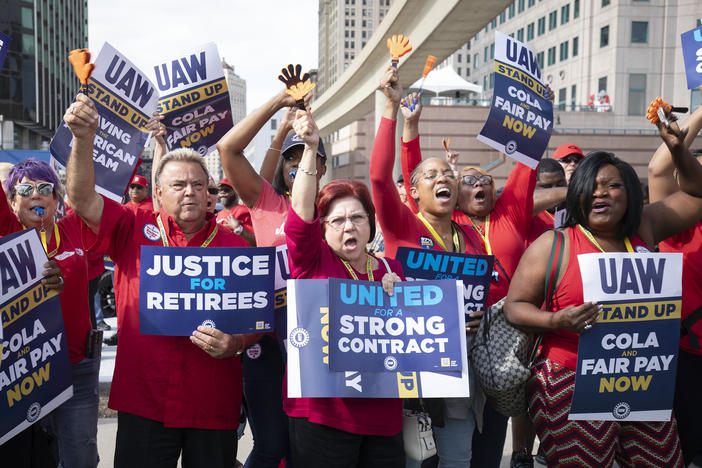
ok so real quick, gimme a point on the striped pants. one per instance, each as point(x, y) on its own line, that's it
point(593, 443)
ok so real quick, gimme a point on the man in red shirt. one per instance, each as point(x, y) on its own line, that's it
point(569, 155)
point(235, 216)
point(173, 395)
point(139, 197)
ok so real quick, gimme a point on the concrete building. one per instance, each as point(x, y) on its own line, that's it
point(37, 82)
point(258, 147)
point(237, 92)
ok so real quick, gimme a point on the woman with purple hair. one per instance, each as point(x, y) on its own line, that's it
point(32, 187)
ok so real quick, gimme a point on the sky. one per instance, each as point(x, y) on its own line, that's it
point(256, 37)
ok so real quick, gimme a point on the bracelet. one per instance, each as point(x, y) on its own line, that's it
point(304, 171)
point(274, 149)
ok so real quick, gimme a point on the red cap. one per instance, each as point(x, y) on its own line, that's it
point(139, 180)
point(225, 181)
point(569, 149)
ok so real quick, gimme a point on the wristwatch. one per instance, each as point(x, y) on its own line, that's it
point(239, 229)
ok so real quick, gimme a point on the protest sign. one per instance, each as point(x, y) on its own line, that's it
point(415, 329)
point(475, 271)
point(230, 289)
point(308, 357)
point(125, 99)
point(692, 54)
point(4, 47)
point(35, 372)
point(282, 274)
point(194, 99)
point(627, 360)
point(521, 118)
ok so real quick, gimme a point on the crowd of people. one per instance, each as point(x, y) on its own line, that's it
point(181, 397)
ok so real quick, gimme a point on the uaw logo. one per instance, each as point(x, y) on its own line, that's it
point(208, 323)
point(151, 232)
point(621, 410)
point(511, 147)
point(426, 242)
point(202, 150)
point(390, 363)
point(33, 412)
point(299, 337)
point(254, 352)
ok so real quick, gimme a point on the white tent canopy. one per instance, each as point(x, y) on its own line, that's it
point(446, 79)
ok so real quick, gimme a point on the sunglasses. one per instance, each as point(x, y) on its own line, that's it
point(569, 159)
point(26, 190)
point(472, 180)
point(136, 186)
point(212, 190)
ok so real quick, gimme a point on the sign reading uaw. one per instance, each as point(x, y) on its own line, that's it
point(627, 361)
point(521, 118)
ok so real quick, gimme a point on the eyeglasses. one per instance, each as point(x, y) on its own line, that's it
point(212, 190)
point(136, 186)
point(432, 174)
point(569, 160)
point(472, 180)
point(338, 223)
point(26, 190)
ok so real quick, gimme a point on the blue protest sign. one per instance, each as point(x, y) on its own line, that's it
point(628, 359)
point(415, 329)
point(195, 99)
point(282, 274)
point(309, 374)
point(35, 372)
point(475, 271)
point(4, 47)
point(521, 118)
point(125, 99)
point(692, 54)
point(230, 289)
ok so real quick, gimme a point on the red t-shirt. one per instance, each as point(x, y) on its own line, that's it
point(311, 258)
point(72, 259)
point(540, 223)
point(163, 378)
point(561, 346)
point(240, 213)
point(146, 204)
point(399, 224)
point(690, 244)
point(268, 216)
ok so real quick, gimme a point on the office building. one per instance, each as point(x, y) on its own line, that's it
point(237, 92)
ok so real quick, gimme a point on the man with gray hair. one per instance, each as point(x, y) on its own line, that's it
point(173, 394)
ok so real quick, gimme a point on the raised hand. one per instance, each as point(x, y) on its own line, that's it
point(390, 84)
point(82, 117)
point(297, 86)
point(411, 107)
point(157, 128)
point(306, 128)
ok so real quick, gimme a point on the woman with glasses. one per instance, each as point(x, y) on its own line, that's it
point(32, 186)
point(605, 214)
point(328, 240)
point(267, 196)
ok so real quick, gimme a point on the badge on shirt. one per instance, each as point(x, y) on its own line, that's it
point(254, 352)
point(426, 242)
point(151, 232)
point(641, 249)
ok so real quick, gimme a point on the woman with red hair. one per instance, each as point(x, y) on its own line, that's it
point(328, 241)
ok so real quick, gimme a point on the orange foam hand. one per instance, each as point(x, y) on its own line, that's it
point(80, 59)
point(652, 111)
point(299, 90)
point(399, 45)
point(431, 60)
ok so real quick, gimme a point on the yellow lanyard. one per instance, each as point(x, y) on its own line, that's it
point(369, 268)
point(164, 239)
point(594, 242)
point(57, 236)
point(435, 235)
point(485, 238)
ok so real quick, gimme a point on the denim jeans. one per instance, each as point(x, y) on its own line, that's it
point(453, 443)
point(74, 423)
point(263, 390)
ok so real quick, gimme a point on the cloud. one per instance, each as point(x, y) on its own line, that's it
point(258, 38)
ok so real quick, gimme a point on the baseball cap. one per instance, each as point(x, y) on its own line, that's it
point(139, 180)
point(568, 149)
point(292, 140)
point(225, 181)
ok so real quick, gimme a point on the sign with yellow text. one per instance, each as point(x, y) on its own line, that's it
point(627, 360)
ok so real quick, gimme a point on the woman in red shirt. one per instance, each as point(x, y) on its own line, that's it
point(328, 241)
point(33, 188)
point(605, 214)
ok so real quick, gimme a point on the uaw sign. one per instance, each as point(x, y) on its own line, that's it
point(521, 117)
point(35, 372)
point(309, 341)
point(627, 360)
